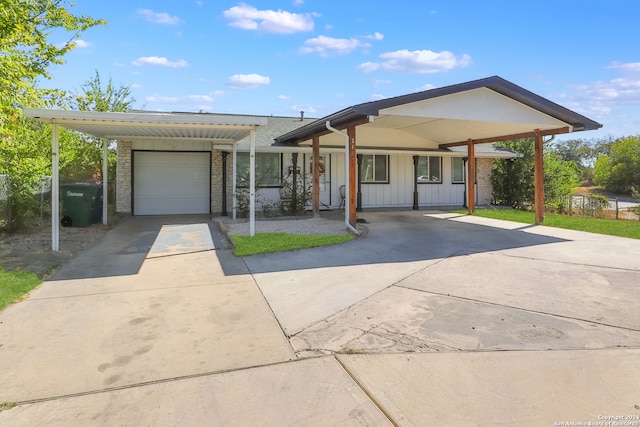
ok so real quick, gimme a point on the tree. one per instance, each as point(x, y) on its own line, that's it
point(111, 98)
point(26, 52)
point(513, 179)
point(619, 171)
point(579, 151)
point(584, 153)
point(82, 157)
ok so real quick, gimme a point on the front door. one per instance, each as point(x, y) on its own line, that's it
point(325, 180)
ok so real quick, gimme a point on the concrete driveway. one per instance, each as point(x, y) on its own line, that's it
point(432, 319)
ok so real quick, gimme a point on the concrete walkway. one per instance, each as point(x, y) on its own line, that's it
point(432, 319)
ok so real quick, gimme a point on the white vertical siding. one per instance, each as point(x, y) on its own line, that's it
point(399, 191)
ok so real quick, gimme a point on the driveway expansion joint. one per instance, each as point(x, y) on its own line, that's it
point(520, 309)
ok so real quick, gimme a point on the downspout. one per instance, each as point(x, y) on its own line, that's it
point(347, 206)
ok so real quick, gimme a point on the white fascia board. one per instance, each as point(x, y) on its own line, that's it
point(167, 119)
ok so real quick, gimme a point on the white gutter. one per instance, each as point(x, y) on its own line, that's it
point(346, 174)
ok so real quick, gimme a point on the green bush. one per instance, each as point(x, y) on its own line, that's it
point(513, 179)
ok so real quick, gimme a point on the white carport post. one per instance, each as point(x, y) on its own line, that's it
point(55, 190)
point(234, 182)
point(105, 179)
point(252, 184)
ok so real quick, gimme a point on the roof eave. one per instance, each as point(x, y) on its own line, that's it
point(338, 120)
point(504, 87)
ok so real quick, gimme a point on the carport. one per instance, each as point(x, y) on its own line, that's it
point(466, 114)
point(109, 126)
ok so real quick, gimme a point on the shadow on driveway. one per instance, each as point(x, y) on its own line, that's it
point(397, 237)
point(394, 237)
point(123, 249)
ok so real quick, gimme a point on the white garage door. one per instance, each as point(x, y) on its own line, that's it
point(167, 183)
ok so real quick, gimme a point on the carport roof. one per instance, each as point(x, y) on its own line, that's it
point(474, 110)
point(219, 128)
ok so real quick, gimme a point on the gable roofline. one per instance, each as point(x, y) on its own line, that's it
point(361, 112)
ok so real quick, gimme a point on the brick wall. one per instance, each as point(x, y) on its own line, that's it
point(216, 182)
point(123, 177)
point(483, 181)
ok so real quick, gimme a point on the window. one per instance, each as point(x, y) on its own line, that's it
point(457, 170)
point(268, 169)
point(375, 169)
point(429, 169)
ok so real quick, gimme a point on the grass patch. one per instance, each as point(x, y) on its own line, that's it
point(611, 227)
point(14, 284)
point(7, 405)
point(264, 243)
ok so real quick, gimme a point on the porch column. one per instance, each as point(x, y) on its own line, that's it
point(415, 182)
point(252, 184)
point(471, 177)
point(105, 179)
point(224, 184)
point(55, 190)
point(316, 176)
point(538, 173)
point(351, 132)
point(359, 194)
point(234, 181)
point(294, 184)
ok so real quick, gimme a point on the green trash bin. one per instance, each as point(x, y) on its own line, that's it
point(81, 204)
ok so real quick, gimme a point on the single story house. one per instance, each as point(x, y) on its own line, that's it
point(415, 150)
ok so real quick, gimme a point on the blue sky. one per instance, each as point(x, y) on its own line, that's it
point(319, 56)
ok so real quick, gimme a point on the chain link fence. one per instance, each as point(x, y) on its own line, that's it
point(42, 200)
point(598, 206)
point(5, 202)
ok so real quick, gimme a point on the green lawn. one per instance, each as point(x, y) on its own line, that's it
point(14, 284)
point(263, 243)
point(611, 227)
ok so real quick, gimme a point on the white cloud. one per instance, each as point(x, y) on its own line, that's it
point(424, 87)
point(135, 86)
point(633, 67)
point(81, 44)
point(284, 97)
point(248, 17)
point(159, 17)
point(247, 81)
point(377, 97)
point(417, 62)
point(78, 44)
point(327, 45)
point(159, 61)
point(298, 2)
point(375, 36)
point(621, 91)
